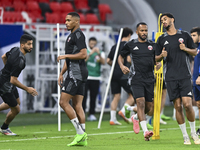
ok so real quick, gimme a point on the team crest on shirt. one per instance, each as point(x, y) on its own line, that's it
point(69, 39)
point(181, 40)
point(150, 47)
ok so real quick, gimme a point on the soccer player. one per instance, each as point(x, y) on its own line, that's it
point(141, 76)
point(195, 34)
point(119, 80)
point(176, 46)
point(14, 62)
point(95, 58)
point(74, 85)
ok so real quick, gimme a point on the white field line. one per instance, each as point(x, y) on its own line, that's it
point(57, 137)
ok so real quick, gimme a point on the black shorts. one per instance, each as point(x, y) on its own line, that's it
point(74, 87)
point(143, 89)
point(117, 84)
point(179, 88)
point(9, 94)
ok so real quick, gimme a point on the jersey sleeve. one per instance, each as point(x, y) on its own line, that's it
point(158, 47)
point(190, 42)
point(112, 52)
point(80, 40)
point(125, 51)
point(18, 67)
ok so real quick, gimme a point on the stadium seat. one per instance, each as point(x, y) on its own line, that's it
point(82, 19)
point(104, 9)
point(12, 17)
point(6, 3)
point(92, 19)
point(43, 1)
point(19, 6)
point(55, 7)
point(52, 18)
point(34, 11)
point(66, 7)
point(81, 5)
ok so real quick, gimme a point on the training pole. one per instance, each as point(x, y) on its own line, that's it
point(110, 77)
point(58, 73)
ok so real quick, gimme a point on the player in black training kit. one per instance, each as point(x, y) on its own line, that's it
point(141, 76)
point(74, 85)
point(14, 61)
point(176, 46)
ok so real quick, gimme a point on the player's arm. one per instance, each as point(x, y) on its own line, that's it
point(124, 69)
point(81, 55)
point(4, 58)
point(60, 78)
point(190, 51)
point(14, 80)
point(109, 61)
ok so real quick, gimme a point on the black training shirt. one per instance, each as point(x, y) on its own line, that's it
point(117, 73)
point(143, 59)
point(77, 69)
point(177, 60)
point(16, 62)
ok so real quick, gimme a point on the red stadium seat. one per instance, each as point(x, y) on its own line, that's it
point(82, 19)
point(55, 7)
point(66, 7)
point(19, 6)
point(6, 3)
point(34, 11)
point(104, 9)
point(43, 1)
point(12, 17)
point(52, 18)
point(81, 5)
point(92, 19)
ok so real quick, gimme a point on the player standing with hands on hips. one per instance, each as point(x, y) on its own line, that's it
point(176, 46)
point(74, 85)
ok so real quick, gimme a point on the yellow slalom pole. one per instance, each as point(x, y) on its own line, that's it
point(157, 91)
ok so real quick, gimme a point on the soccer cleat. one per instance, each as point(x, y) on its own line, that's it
point(127, 112)
point(115, 123)
point(120, 113)
point(7, 132)
point(187, 140)
point(147, 135)
point(196, 139)
point(78, 139)
point(149, 126)
point(82, 143)
point(165, 117)
point(162, 122)
point(198, 132)
point(136, 126)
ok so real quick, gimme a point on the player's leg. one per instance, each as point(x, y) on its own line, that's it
point(198, 105)
point(116, 91)
point(196, 97)
point(94, 89)
point(11, 100)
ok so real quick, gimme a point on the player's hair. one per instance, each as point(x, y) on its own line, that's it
point(168, 15)
point(195, 29)
point(74, 14)
point(92, 39)
point(141, 23)
point(24, 38)
point(126, 32)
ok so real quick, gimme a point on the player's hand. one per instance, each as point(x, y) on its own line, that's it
point(182, 46)
point(60, 80)
point(60, 57)
point(158, 65)
point(198, 80)
point(125, 69)
point(164, 52)
point(32, 91)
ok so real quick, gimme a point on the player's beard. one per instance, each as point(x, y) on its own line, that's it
point(167, 27)
point(143, 39)
point(26, 50)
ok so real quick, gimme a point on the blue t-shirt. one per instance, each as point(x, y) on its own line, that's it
point(196, 70)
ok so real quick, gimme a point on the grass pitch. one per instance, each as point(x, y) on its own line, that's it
point(43, 134)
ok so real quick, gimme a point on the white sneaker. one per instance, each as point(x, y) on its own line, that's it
point(162, 122)
point(187, 140)
point(195, 137)
point(7, 132)
point(92, 118)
